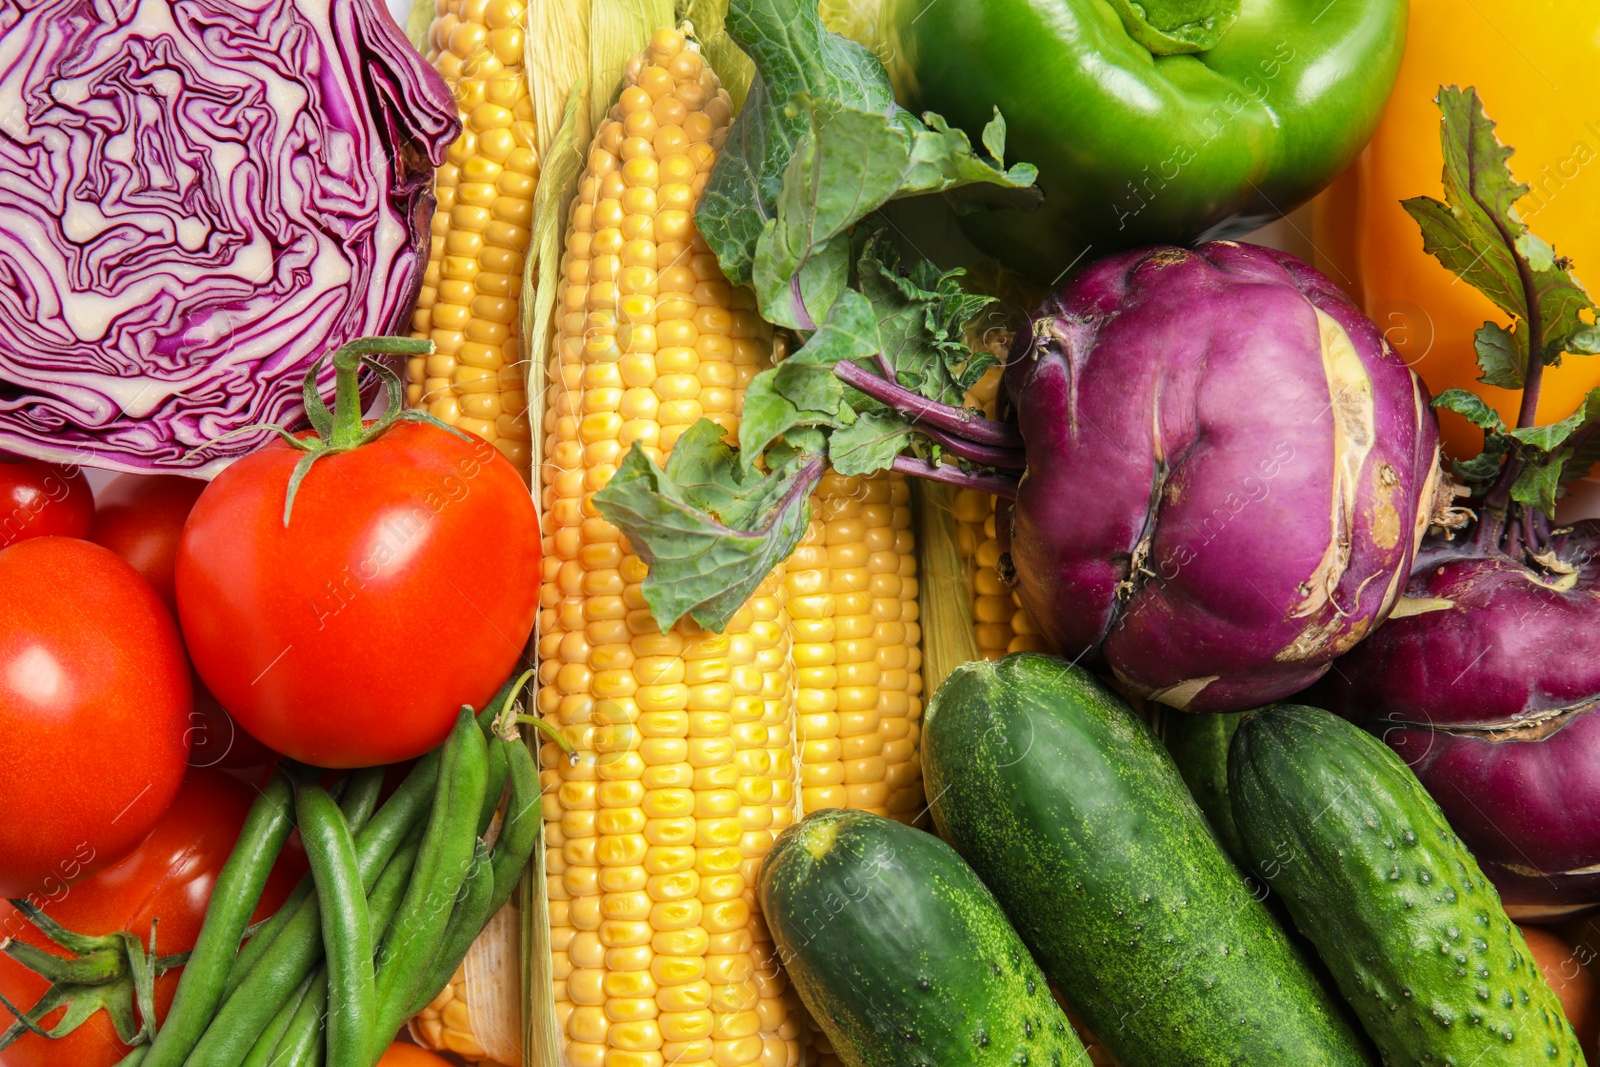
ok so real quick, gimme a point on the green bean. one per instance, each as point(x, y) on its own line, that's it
point(359, 797)
point(302, 1044)
point(381, 905)
point(442, 863)
point(496, 785)
point(519, 831)
point(467, 919)
point(298, 947)
point(266, 1046)
point(346, 934)
point(235, 896)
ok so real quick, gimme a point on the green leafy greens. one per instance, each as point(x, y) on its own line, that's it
point(818, 147)
point(1478, 235)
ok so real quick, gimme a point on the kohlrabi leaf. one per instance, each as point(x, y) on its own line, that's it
point(1471, 407)
point(802, 390)
point(921, 314)
point(942, 158)
point(1585, 443)
point(1500, 356)
point(794, 56)
point(1584, 341)
point(709, 530)
point(846, 164)
point(1483, 468)
point(869, 444)
point(819, 145)
point(1479, 236)
point(994, 138)
point(1539, 482)
point(1548, 437)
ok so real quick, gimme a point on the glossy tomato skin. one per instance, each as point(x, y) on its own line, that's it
point(169, 877)
point(42, 500)
point(140, 517)
point(94, 711)
point(405, 586)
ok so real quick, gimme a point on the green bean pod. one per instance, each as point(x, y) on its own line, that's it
point(519, 830)
point(266, 1046)
point(234, 897)
point(443, 860)
point(495, 787)
point(357, 803)
point(471, 914)
point(302, 1044)
point(297, 949)
point(360, 798)
point(346, 931)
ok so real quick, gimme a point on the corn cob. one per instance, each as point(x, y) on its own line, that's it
point(684, 771)
point(1000, 624)
point(853, 615)
point(475, 379)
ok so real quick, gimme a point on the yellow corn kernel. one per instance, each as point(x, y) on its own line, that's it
point(685, 739)
point(853, 607)
point(999, 623)
point(468, 305)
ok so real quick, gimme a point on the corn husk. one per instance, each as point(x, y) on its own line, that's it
point(944, 596)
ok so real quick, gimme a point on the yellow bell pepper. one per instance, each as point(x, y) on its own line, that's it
point(1536, 64)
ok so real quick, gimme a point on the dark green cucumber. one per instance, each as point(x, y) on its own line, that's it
point(901, 954)
point(1199, 746)
point(1412, 931)
point(1071, 811)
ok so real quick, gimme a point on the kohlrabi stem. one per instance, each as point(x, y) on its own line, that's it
point(994, 484)
point(960, 422)
point(1498, 498)
point(1006, 459)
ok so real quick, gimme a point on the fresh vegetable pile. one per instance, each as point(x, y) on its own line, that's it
point(972, 608)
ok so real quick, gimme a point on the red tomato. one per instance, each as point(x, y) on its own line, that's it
point(140, 517)
point(41, 499)
point(94, 705)
point(401, 1054)
point(215, 740)
point(168, 877)
point(404, 587)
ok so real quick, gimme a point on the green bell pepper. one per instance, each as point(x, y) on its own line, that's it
point(1161, 121)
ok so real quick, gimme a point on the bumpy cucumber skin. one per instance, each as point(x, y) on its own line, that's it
point(901, 954)
point(1199, 746)
point(1412, 931)
point(1070, 810)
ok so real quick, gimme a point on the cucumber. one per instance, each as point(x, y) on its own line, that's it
point(901, 954)
point(1199, 746)
point(1412, 931)
point(1073, 814)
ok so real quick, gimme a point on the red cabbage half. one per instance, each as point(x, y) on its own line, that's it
point(197, 199)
